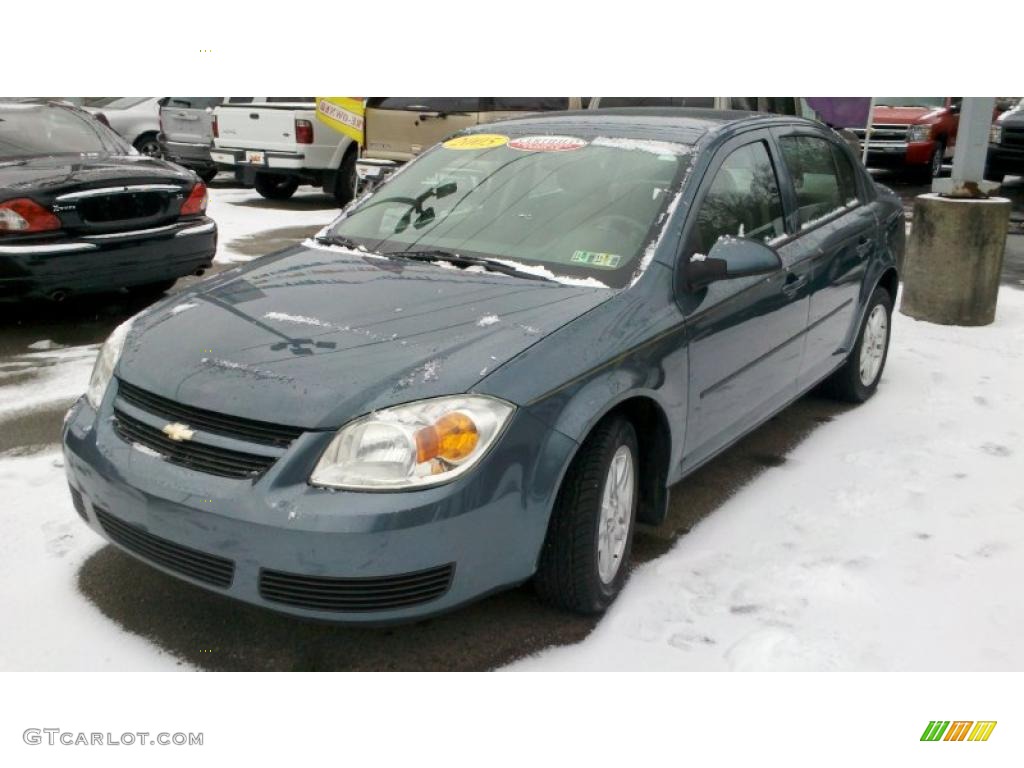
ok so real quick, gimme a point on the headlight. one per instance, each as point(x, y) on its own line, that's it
point(919, 133)
point(103, 371)
point(995, 133)
point(413, 445)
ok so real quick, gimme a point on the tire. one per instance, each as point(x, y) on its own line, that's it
point(572, 573)
point(147, 145)
point(345, 183)
point(849, 383)
point(923, 174)
point(275, 187)
point(155, 290)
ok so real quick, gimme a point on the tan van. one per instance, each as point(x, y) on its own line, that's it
point(397, 128)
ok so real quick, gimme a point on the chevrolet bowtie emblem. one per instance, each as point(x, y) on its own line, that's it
point(178, 432)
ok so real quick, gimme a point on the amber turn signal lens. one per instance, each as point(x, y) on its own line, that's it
point(453, 437)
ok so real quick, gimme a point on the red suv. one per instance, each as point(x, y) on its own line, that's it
point(915, 133)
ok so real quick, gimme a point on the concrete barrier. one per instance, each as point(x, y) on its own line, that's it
point(954, 259)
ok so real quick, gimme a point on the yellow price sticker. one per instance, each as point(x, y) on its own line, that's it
point(477, 141)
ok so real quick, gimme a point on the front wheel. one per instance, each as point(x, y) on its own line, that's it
point(275, 187)
point(585, 557)
point(858, 379)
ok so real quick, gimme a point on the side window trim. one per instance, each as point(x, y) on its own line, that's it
point(759, 135)
point(794, 230)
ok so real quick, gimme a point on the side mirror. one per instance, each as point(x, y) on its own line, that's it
point(730, 258)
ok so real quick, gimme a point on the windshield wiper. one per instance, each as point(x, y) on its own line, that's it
point(341, 240)
point(439, 254)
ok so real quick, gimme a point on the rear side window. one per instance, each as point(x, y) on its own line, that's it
point(743, 200)
point(193, 102)
point(702, 102)
point(426, 103)
point(812, 166)
point(847, 181)
point(524, 103)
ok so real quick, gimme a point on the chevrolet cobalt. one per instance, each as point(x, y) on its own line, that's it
point(490, 368)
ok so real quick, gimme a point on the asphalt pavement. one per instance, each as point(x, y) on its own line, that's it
point(214, 632)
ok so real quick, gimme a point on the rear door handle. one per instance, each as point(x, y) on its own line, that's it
point(864, 246)
point(793, 283)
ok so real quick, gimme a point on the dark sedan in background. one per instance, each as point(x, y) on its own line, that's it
point(82, 212)
point(493, 366)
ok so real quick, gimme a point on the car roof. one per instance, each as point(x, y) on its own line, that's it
point(675, 124)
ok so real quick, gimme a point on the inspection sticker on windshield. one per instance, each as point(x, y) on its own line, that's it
point(547, 143)
point(477, 141)
point(592, 259)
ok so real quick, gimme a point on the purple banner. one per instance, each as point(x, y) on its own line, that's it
point(842, 112)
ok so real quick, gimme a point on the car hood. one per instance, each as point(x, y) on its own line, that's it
point(67, 173)
point(313, 337)
point(905, 115)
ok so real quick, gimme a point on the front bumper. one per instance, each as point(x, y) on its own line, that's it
point(339, 556)
point(38, 268)
point(889, 154)
point(1004, 159)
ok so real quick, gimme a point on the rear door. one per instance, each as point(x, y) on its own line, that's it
point(745, 335)
point(188, 119)
point(400, 127)
point(834, 224)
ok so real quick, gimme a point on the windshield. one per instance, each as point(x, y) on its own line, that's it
point(910, 101)
point(44, 130)
point(579, 208)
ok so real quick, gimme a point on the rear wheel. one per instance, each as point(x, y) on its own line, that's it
point(147, 145)
point(584, 561)
point(858, 379)
point(345, 184)
point(275, 187)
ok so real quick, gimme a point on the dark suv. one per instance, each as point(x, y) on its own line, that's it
point(1006, 145)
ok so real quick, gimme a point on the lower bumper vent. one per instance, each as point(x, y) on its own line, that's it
point(325, 593)
point(209, 569)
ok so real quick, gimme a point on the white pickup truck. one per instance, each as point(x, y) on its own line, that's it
point(276, 143)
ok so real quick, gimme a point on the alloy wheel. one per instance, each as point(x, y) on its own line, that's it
point(616, 514)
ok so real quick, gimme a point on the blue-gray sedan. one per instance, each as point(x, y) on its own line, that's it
point(492, 366)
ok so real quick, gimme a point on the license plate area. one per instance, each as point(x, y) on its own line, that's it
point(255, 158)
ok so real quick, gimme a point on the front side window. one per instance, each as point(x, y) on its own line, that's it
point(578, 207)
point(742, 201)
point(820, 190)
point(27, 131)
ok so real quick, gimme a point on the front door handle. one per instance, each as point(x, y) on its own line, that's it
point(793, 283)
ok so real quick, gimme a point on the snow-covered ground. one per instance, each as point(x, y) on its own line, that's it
point(241, 213)
point(891, 539)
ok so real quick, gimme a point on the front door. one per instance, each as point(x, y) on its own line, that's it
point(746, 335)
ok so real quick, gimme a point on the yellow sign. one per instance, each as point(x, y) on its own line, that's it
point(344, 114)
point(477, 141)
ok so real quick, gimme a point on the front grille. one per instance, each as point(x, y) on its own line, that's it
point(101, 209)
point(78, 502)
point(209, 569)
point(326, 593)
point(883, 132)
point(218, 423)
point(189, 453)
point(1013, 137)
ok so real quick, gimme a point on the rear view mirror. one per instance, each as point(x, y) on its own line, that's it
point(730, 258)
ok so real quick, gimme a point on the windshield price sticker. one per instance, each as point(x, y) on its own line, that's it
point(547, 143)
point(477, 141)
point(592, 259)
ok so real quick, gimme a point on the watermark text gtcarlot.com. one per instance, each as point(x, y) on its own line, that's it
point(57, 737)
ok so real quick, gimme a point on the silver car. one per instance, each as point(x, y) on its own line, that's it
point(135, 118)
point(186, 132)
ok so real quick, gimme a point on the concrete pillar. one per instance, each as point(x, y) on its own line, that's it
point(954, 259)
